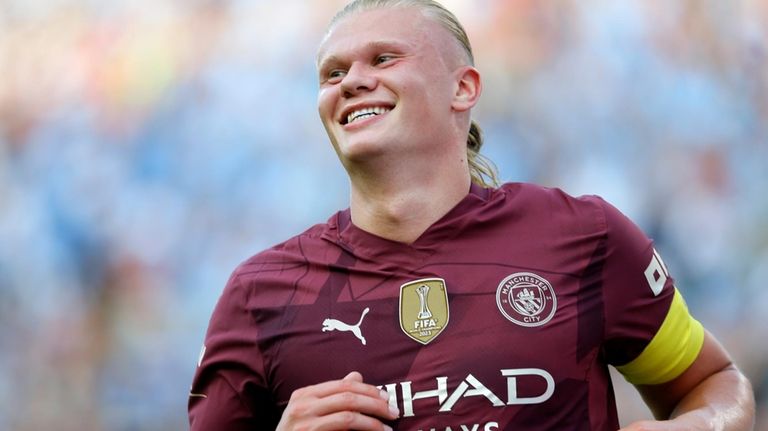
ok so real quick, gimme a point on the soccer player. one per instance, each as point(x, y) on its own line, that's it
point(440, 302)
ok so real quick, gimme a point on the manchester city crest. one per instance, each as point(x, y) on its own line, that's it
point(526, 299)
point(423, 309)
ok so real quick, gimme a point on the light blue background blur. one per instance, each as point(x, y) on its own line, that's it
point(147, 147)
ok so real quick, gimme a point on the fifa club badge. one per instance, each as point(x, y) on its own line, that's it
point(423, 309)
point(526, 299)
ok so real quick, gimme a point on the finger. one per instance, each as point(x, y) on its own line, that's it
point(349, 420)
point(324, 389)
point(350, 401)
point(355, 376)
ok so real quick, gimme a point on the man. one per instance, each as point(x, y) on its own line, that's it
point(435, 302)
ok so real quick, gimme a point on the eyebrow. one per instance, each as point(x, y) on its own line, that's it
point(379, 45)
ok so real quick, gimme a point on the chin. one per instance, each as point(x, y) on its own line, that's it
point(361, 150)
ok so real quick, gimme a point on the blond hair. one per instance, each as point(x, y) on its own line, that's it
point(481, 169)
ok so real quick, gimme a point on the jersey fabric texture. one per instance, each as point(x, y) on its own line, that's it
point(503, 315)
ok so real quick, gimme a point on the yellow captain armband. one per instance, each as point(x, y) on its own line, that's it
point(671, 351)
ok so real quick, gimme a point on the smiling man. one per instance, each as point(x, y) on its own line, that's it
point(395, 101)
point(438, 300)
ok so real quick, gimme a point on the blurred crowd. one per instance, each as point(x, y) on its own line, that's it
point(147, 147)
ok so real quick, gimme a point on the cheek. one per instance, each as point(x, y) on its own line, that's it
point(427, 99)
point(325, 104)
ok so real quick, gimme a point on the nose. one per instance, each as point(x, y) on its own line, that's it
point(358, 79)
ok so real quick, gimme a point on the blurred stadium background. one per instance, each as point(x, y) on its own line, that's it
point(147, 147)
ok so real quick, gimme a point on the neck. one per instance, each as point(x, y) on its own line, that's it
point(400, 206)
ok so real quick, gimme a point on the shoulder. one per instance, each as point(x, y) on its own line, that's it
point(271, 275)
point(563, 212)
point(542, 195)
point(297, 249)
point(554, 205)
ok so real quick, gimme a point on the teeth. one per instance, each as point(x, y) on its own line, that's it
point(365, 113)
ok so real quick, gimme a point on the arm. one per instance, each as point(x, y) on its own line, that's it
point(682, 372)
point(230, 390)
point(710, 395)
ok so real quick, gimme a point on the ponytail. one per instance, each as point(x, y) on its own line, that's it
point(482, 170)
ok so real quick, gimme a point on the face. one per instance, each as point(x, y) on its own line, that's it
point(387, 78)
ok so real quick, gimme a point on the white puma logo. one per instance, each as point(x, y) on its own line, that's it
point(337, 325)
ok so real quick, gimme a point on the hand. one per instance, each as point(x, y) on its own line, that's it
point(338, 405)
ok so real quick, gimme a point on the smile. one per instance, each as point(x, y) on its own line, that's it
point(364, 113)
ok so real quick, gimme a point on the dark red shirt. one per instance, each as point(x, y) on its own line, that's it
point(503, 315)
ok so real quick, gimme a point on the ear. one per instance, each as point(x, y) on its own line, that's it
point(468, 89)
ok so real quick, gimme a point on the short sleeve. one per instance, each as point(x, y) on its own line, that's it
point(637, 288)
point(650, 336)
point(229, 388)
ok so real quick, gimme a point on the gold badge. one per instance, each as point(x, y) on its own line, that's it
point(423, 309)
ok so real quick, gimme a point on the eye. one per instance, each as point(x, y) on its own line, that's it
point(383, 58)
point(335, 75)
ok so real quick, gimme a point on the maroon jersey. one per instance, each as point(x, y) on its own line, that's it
point(503, 315)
